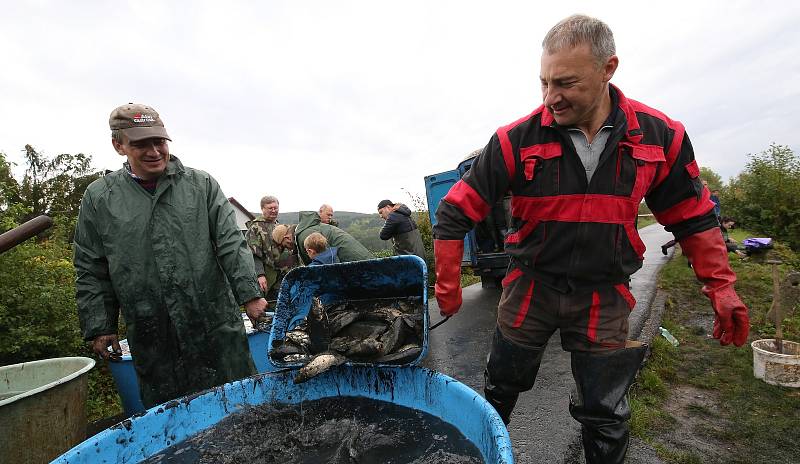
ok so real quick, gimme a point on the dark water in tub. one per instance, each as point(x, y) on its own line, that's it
point(342, 430)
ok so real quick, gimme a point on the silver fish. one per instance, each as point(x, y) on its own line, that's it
point(394, 336)
point(404, 354)
point(296, 358)
point(342, 319)
point(298, 337)
point(367, 348)
point(319, 364)
point(386, 314)
point(363, 329)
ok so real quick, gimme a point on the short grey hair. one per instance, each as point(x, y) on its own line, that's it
point(269, 199)
point(578, 30)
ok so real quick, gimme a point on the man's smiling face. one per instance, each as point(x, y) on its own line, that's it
point(148, 158)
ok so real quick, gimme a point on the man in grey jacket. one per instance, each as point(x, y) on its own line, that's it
point(401, 229)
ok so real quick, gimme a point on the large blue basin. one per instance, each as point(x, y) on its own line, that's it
point(410, 386)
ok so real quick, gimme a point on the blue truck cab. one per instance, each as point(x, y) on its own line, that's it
point(483, 245)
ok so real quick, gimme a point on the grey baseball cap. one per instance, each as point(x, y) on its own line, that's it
point(137, 122)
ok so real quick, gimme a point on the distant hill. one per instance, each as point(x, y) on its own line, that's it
point(363, 227)
point(345, 218)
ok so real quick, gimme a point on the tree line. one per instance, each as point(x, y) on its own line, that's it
point(38, 315)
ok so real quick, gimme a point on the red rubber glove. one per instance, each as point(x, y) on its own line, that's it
point(709, 257)
point(448, 255)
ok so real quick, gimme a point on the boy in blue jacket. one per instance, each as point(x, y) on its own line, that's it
point(316, 246)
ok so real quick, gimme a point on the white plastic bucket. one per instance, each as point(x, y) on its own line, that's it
point(777, 368)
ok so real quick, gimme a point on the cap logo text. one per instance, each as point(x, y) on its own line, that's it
point(143, 117)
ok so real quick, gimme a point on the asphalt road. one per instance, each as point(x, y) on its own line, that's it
point(541, 428)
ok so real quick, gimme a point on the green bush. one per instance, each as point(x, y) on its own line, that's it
point(38, 315)
point(765, 197)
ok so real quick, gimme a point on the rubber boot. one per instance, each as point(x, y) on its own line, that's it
point(510, 370)
point(600, 402)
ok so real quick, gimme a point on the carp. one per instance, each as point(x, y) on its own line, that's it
point(386, 331)
point(317, 365)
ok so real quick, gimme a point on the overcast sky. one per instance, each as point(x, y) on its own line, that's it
point(352, 102)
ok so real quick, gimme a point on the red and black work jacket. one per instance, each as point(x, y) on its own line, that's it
point(570, 233)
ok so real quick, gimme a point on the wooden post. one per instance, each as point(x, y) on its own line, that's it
point(776, 305)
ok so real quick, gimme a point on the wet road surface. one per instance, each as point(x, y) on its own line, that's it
point(541, 428)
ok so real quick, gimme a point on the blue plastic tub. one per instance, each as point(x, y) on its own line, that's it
point(398, 276)
point(408, 385)
point(411, 386)
point(128, 385)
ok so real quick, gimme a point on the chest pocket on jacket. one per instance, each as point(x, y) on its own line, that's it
point(540, 168)
point(636, 168)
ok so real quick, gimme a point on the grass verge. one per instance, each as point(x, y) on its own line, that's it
point(699, 402)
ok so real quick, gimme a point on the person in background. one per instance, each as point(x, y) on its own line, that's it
point(714, 199)
point(577, 168)
point(350, 249)
point(318, 250)
point(283, 236)
point(717, 204)
point(271, 262)
point(158, 242)
point(731, 244)
point(326, 215)
point(401, 229)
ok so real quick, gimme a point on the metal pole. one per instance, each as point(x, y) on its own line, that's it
point(19, 234)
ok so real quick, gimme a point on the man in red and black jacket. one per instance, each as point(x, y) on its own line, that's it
point(577, 169)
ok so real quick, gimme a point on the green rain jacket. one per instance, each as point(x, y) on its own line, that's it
point(350, 249)
point(177, 266)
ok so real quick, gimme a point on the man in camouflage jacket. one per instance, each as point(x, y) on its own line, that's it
point(270, 260)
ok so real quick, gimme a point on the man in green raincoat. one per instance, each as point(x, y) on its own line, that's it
point(350, 249)
point(158, 241)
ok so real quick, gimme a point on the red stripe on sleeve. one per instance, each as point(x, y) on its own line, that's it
point(687, 209)
point(523, 308)
point(594, 317)
point(463, 196)
point(673, 152)
point(508, 152)
point(505, 143)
